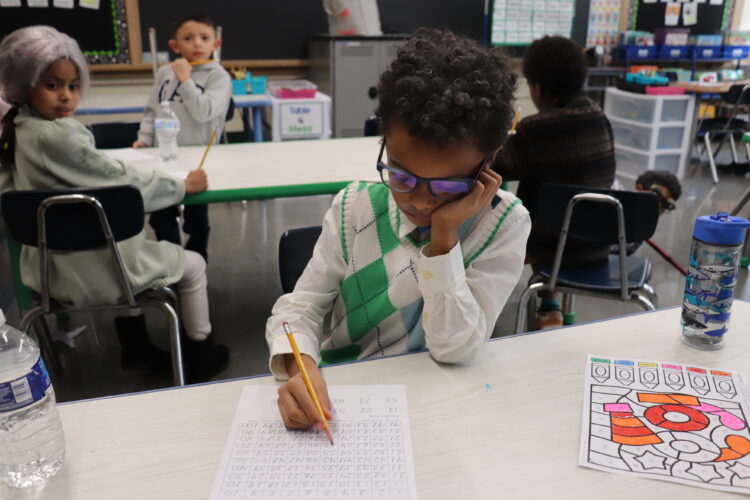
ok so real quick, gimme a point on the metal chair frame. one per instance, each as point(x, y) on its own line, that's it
point(725, 131)
point(158, 298)
point(645, 297)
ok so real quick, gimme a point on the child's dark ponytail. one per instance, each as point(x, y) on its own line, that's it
point(8, 138)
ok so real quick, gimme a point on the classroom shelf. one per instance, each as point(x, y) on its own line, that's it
point(652, 132)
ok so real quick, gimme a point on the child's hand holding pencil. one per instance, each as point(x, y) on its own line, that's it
point(297, 403)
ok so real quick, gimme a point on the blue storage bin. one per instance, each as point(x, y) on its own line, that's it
point(258, 85)
point(673, 51)
point(738, 51)
point(239, 87)
point(706, 51)
point(636, 51)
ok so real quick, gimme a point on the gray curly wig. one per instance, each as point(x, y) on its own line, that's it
point(26, 54)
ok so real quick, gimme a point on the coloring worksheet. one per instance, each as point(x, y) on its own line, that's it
point(371, 455)
point(668, 421)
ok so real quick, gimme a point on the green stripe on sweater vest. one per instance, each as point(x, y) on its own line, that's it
point(346, 353)
point(379, 197)
point(499, 224)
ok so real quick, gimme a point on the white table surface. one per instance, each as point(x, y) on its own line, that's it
point(249, 166)
point(520, 439)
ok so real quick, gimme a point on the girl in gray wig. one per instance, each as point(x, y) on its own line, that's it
point(25, 55)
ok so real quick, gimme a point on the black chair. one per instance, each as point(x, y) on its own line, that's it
point(82, 219)
point(599, 217)
point(295, 250)
point(372, 127)
point(114, 135)
point(727, 124)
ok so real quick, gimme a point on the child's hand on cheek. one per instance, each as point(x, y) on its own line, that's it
point(182, 69)
point(447, 219)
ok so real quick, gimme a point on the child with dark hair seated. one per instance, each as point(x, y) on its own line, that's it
point(427, 257)
point(568, 141)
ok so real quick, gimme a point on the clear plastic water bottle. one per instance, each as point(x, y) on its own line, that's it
point(32, 445)
point(167, 127)
point(712, 275)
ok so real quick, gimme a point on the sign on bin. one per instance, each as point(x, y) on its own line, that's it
point(301, 120)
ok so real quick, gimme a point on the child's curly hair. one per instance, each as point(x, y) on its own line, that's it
point(448, 88)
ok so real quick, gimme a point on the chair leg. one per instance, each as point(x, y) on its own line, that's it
point(651, 294)
point(178, 371)
point(733, 145)
point(523, 304)
point(569, 309)
point(709, 153)
point(642, 301)
point(35, 317)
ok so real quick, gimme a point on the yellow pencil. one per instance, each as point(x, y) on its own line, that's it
point(205, 153)
point(202, 61)
point(306, 378)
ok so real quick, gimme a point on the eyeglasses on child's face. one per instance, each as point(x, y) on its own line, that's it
point(666, 204)
point(443, 188)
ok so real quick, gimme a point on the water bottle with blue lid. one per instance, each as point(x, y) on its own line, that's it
point(712, 276)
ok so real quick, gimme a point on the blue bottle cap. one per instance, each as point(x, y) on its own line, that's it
point(721, 229)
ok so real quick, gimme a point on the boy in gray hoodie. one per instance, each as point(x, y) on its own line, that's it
point(198, 90)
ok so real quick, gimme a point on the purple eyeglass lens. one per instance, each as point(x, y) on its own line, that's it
point(401, 180)
point(449, 188)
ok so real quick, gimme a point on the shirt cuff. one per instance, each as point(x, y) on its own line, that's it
point(280, 346)
point(441, 272)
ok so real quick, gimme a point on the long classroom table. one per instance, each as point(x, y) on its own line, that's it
point(505, 426)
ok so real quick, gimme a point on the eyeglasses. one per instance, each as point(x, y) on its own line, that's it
point(444, 189)
point(666, 204)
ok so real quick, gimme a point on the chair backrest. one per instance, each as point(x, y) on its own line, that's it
point(596, 222)
point(738, 94)
point(372, 127)
point(73, 226)
point(295, 250)
point(114, 135)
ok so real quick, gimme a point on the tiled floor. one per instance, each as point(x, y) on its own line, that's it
point(243, 285)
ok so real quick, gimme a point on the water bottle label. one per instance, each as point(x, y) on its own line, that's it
point(26, 390)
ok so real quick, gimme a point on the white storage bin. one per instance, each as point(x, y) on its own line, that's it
point(670, 137)
point(631, 135)
point(630, 107)
point(650, 131)
point(630, 163)
point(669, 162)
point(676, 110)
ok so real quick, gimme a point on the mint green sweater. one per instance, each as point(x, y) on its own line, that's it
point(59, 154)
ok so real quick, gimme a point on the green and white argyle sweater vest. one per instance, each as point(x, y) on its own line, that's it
point(379, 308)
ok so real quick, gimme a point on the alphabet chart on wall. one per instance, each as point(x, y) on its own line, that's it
point(670, 421)
point(371, 456)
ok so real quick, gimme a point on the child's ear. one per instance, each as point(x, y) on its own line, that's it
point(173, 46)
point(217, 43)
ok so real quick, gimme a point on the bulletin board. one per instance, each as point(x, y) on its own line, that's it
point(101, 27)
point(712, 17)
point(520, 22)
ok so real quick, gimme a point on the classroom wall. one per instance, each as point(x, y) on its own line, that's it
point(279, 30)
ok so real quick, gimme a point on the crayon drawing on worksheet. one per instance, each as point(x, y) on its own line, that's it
point(667, 421)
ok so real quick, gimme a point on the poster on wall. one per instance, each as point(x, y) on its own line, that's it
point(520, 22)
point(604, 17)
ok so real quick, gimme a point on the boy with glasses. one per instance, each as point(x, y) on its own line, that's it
point(428, 256)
